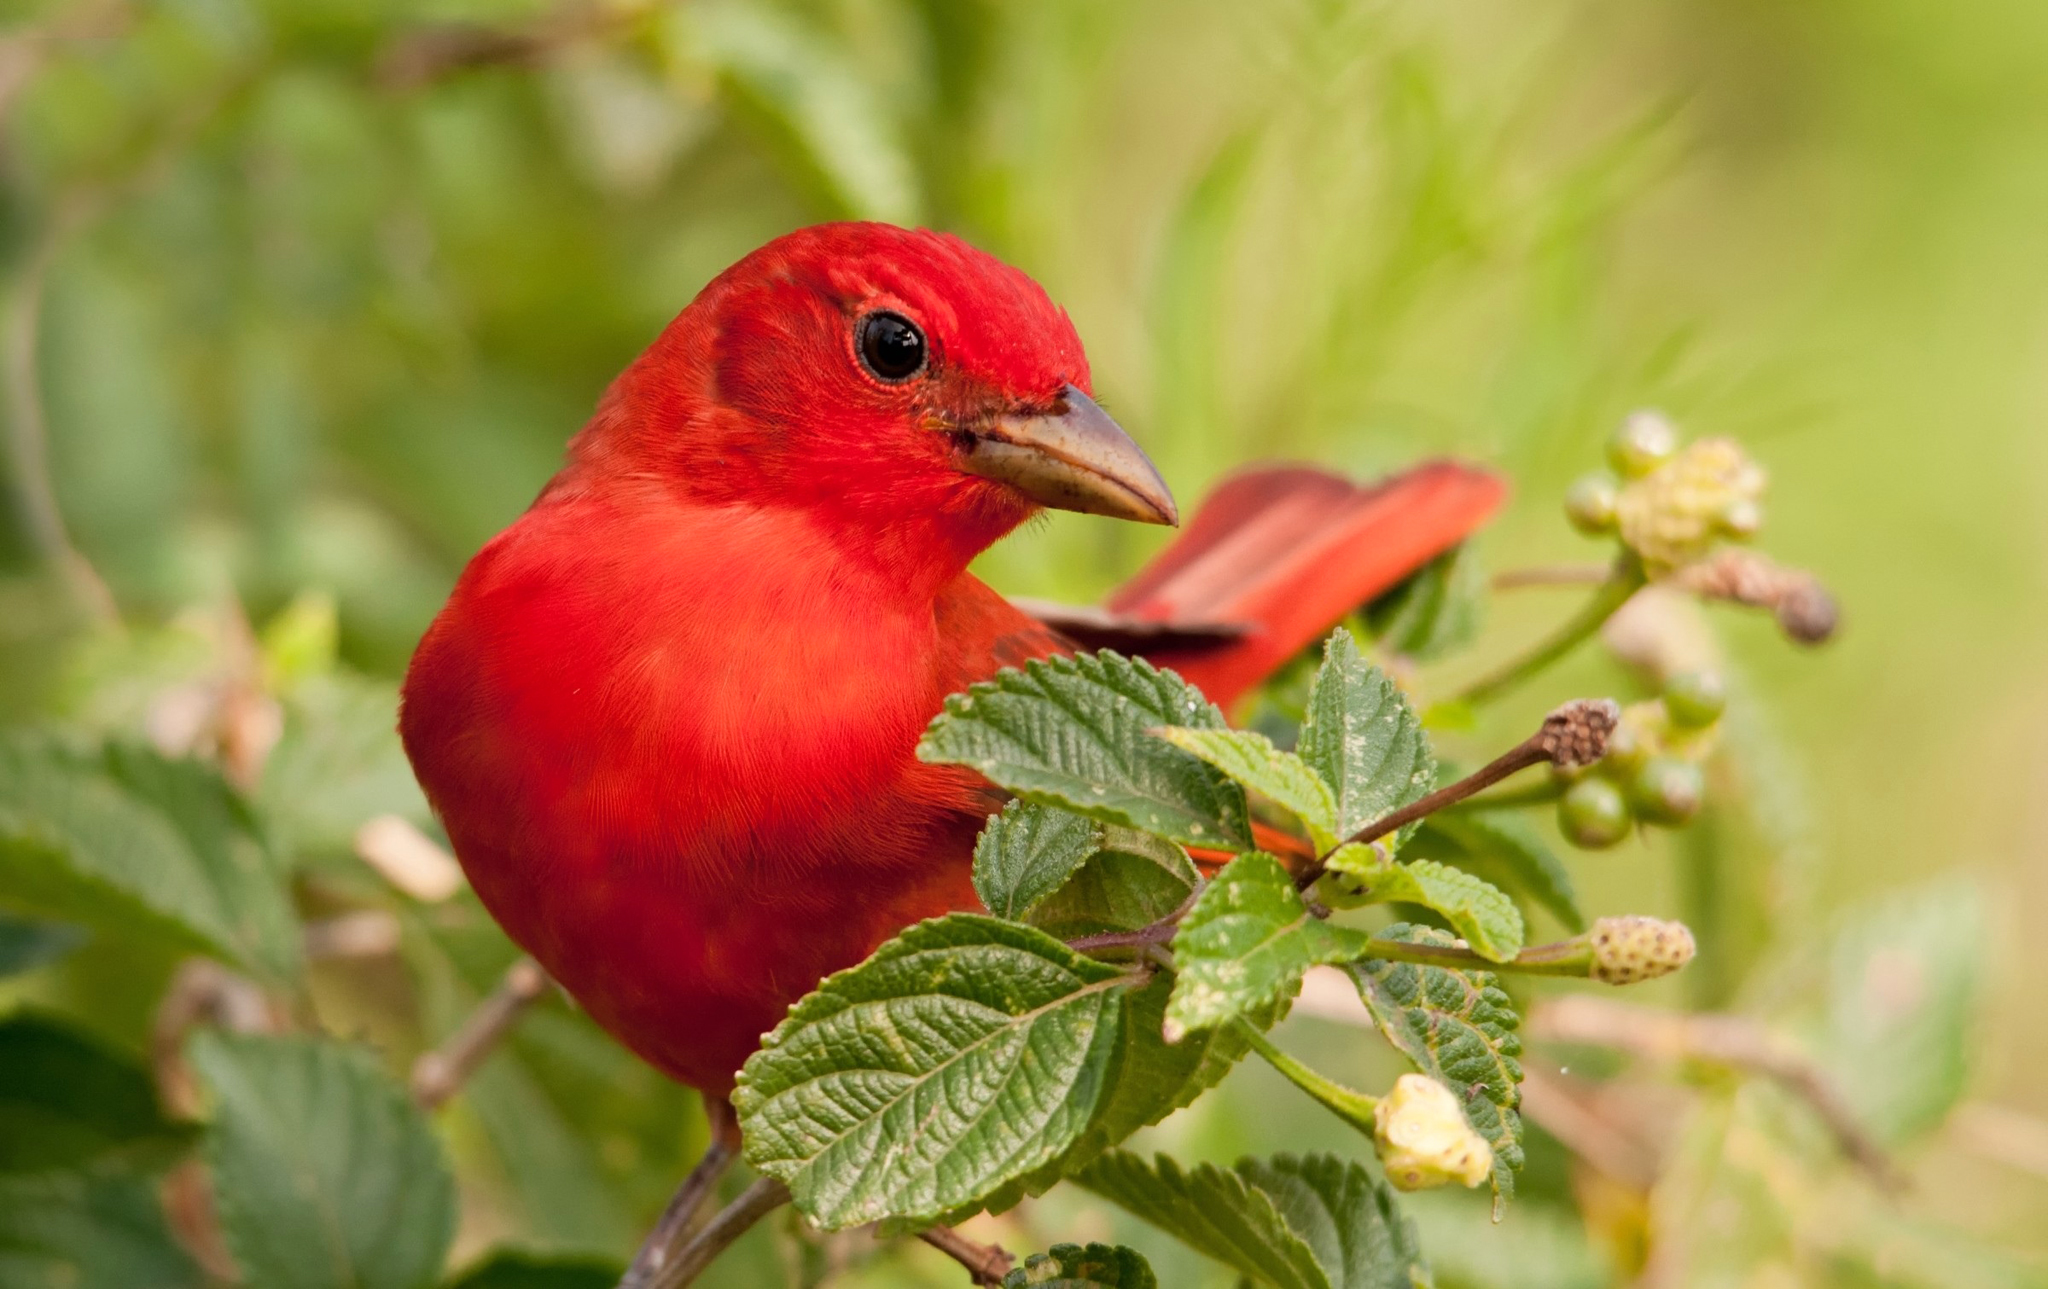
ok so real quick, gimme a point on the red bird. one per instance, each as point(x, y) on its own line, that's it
point(668, 716)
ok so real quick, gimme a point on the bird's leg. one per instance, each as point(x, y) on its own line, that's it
point(672, 1232)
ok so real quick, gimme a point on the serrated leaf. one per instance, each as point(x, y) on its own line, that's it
point(325, 1175)
point(1132, 880)
point(1252, 760)
point(1026, 853)
point(1070, 1266)
point(97, 1229)
point(1074, 732)
point(67, 1100)
point(1362, 737)
point(1478, 910)
point(1351, 1222)
point(963, 1054)
point(1514, 845)
point(1435, 611)
point(1246, 944)
point(509, 1269)
point(28, 943)
point(1316, 1222)
point(135, 841)
point(1458, 1027)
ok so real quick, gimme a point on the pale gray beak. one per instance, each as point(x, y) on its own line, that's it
point(1073, 458)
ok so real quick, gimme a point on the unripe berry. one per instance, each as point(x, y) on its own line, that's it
point(1424, 1139)
point(1590, 504)
point(1667, 790)
point(1645, 441)
point(1695, 699)
point(1631, 949)
point(1593, 814)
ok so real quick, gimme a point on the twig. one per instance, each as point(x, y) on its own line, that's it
point(1806, 612)
point(666, 1243)
point(1623, 580)
point(727, 1225)
point(1157, 933)
point(1550, 575)
point(986, 1264)
point(439, 1074)
point(1734, 1041)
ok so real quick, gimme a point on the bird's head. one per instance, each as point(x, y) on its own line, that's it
point(895, 381)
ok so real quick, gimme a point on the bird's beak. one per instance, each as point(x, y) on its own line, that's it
point(1072, 458)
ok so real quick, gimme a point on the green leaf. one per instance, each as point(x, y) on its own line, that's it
point(338, 763)
point(1362, 737)
point(325, 1175)
point(1316, 1222)
point(1246, 943)
point(508, 1269)
point(1074, 732)
point(67, 1099)
point(1252, 760)
point(965, 1053)
point(1478, 910)
point(1132, 880)
point(1028, 852)
point(1458, 1027)
point(28, 943)
point(1437, 610)
point(1512, 844)
point(99, 1229)
point(140, 843)
point(1070, 1266)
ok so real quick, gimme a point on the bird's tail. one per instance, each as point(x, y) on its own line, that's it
point(1278, 555)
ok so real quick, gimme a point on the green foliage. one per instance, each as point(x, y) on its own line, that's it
point(1070, 732)
point(1251, 759)
point(324, 1174)
point(1362, 737)
point(1309, 1223)
point(1245, 945)
point(1479, 911)
point(1436, 611)
point(138, 843)
point(1458, 1027)
point(1511, 847)
point(512, 1270)
point(1028, 852)
point(67, 1100)
point(1070, 1266)
point(28, 943)
point(1075, 876)
point(95, 1229)
point(965, 1053)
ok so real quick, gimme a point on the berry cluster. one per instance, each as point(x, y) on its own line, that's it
point(1670, 504)
point(1651, 770)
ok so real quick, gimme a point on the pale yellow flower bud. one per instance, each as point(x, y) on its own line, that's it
point(1424, 1139)
point(1631, 949)
point(1673, 515)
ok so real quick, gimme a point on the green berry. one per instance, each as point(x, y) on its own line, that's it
point(1590, 504)
point(1593, 814)
point(1627, 748)
point(1645, 441)
point(1667, 790)
point(1695, 699)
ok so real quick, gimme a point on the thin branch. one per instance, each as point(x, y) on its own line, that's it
point(666, 1243)
point(1623, 580)
point(1734, 1041)
point(1514, 579)
point(729, 1224)
point(439, 1074)
point(986, 1264)
point(1807, 613)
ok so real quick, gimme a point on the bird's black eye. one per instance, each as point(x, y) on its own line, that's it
point(891, 346)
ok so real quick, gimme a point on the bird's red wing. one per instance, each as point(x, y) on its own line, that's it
point(1288, 551)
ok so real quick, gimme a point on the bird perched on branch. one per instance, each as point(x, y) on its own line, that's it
point(668, 716)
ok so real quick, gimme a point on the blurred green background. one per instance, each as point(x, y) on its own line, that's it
point(303, 297)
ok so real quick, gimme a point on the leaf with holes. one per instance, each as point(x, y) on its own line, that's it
point(1478, 910)
point(1070, 1266)
point(1458, 1027)
point(1074, 732)
point(1252, 760)
point(1362, 737)
point(325, 1175)
point(1314, 1222)
point(964, 1054)
point(1246, 943)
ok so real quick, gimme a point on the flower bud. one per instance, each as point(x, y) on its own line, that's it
point(1424, 1139)
point(1590, 504)
point(1627, 950)
point(1645, 441)
point(1667, 790)
point(1695, 699)
point(1593, 815)
point(1672, 516)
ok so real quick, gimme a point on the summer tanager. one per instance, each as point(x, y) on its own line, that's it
point(668, 716)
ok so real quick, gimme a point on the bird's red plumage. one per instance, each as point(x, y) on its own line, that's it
point(668, 717)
